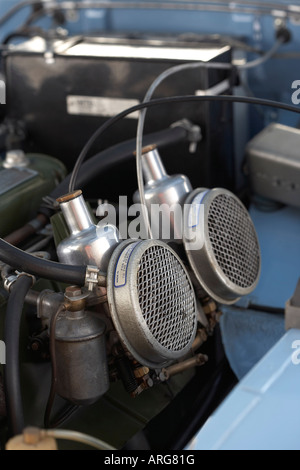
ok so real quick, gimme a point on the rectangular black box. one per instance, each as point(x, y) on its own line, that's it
point(65, 90)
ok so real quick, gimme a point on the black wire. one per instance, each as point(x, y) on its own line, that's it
point(52, 393)
point(23, 33)
point(260, 308)
point(35, 15)
point(173, 99)
point(266, 309)
point(27, 30)
point(116, 154)
point(15, 9)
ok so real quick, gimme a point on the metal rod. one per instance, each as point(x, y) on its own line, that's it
point(194, 361)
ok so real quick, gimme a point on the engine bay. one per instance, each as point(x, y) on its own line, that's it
point(148, 178)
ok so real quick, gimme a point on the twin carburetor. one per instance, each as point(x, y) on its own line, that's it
point(148, 321)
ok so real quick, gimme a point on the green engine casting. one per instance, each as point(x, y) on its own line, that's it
point(22, 189)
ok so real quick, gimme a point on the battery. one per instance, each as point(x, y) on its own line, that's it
point(64, 90)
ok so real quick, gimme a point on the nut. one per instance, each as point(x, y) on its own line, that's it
point(73, 291)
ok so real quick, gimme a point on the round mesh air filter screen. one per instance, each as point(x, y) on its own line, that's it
point(166, 298)
point(234, 240)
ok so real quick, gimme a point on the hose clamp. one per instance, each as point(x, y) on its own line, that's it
point(91, 277)
point(10, 280)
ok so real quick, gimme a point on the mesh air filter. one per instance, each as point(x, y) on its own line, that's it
point(152, 302)
point(227, 261)
point(233, 240)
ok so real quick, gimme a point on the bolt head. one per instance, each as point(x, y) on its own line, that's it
point(73, 291)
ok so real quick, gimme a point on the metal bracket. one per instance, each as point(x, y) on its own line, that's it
point(193, 130)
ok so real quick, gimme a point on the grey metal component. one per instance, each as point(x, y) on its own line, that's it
point(227, 261)
point(82, 371)
point(198, 360)
point(15, 159)
point(292, 310)
point(153, 167)
point(48, 303)
point(274, 164)
point(88, 244)
point(164, 191)
point(152, 302)
point(292, 316)
point(194, 133)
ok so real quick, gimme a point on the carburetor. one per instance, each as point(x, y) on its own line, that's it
point(219, 238)
point(142, 322)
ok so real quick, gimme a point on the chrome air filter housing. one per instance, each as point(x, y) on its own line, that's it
point(152, 302)
point(221, 244)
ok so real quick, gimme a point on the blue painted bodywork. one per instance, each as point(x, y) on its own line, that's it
point(248, 334)
point(263, 411)
point(278, 234)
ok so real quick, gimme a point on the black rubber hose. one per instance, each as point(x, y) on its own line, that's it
point(39, 267)
point(12, 383)
point(117, 154)
point(23, 261)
